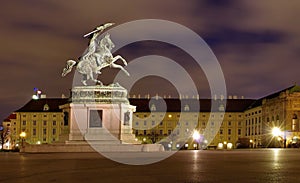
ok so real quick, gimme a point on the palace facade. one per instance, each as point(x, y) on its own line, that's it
point(177, 123)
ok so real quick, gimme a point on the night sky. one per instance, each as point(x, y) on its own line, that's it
point(256, 43)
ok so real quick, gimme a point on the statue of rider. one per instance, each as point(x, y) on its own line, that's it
point(92, 48)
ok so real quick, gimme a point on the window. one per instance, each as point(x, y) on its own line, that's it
point(145, 123)
point(45, 116)
point(160, 132)
point(229, 131)
point(136, 132)
point(153, 123)
point(45, 122)
point(186, 107)
point(54, 123)
point(24, 123)
point(54, 115)
point(54, 131)
point(221, 131)
point(44, 139)
point(186, 123)
point(34, 115)
point(239, 123)
point(153, 107)
point(34, 132)
point(169, 132)
point(145, 132)
point(44, 131)
point(34, 122)
point(24, 116)
point(239, 131)
point(46, 107)
point(137, 123)
point(229, 123)
point(161, 123)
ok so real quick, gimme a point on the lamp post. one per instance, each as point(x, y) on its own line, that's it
point(22, 135)
point(276, 132)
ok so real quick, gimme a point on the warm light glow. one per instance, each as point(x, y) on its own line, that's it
point(35, 97)
point(225, 142)
point(229, 146)
point(144, 139)
point(251, 141)
point(186, 145)
point(170, 116)
point(23, 134)
point(196, 135)
point(220, 145)
point(38, 142)
point(276, 131)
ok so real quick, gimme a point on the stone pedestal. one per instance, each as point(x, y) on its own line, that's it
point(100, 115)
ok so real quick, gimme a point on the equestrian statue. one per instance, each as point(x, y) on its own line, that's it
point(98, 56)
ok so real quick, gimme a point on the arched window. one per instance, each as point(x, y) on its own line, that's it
point(295, 116)
point(153, 107)
point(186, 107)
point(46, 107)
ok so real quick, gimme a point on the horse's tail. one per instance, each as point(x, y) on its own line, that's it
point(68, 68)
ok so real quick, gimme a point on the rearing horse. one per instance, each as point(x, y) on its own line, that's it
point(101, 58)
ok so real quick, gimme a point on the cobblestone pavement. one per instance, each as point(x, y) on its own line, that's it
point(259, 165)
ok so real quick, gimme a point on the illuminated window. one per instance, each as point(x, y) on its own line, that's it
point(46, 107)
point(153, 107)
point(186, 107)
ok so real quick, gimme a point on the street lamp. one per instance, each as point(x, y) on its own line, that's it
point(276, 132)
point(23, 135)
point(196, 137)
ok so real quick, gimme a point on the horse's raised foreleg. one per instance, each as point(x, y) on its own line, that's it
point(121, 58)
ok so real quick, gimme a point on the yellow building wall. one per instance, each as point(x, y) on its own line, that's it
point(40, 127)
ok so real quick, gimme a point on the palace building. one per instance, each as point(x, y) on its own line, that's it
point(271, 121)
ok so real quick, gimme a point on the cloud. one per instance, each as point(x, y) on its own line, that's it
point(256, 43)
